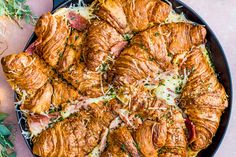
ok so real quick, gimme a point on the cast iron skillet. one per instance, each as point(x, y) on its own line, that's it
point(216, 54)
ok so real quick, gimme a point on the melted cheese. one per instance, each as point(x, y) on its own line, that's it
point(80, 7)
point(170, 87)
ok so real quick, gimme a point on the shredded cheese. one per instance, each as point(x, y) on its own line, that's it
point(174, 18)
point(170, 86)
point(205, 53)
point(84, 10)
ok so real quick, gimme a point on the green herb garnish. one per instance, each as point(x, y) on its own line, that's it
point(151, 59)
point(170, 54)
point(6, 146)
point(76, 37)
point(123, 147)
point(104, 67)
point(156, 34)
point(127, 37)
point(17, 10)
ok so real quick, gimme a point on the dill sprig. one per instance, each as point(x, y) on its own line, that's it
point(17, 10)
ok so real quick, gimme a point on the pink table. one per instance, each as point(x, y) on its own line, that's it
point(219, 14)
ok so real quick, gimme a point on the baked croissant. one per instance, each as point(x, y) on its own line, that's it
point(52, 32)
point(114, 151)
point(41, 92)
point(21, 67)
point(152, 51)
point(73, 51)
point(41, 101)
point(121, 140)
point(203, 99)
point(163, 130)
point(70, 61)
point(169, 41)
point(75, 136)
point(133, 16)
point(134, 64)
point(102, 41)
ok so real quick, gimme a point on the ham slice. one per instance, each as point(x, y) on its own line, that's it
point(77, 21)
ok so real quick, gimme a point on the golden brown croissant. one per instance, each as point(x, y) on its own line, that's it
point(41, 101)
point(114, 151)
point(75, 136)
point(28, 72)
point(62, 92)
point(203, 99)
point(144, 138)
point(102, 41)
point(122, 139)
point(163, 133)
point(73, 51)
point(133, 16)
point(52, 32)
point(165, 42)
point(70, 62)
point(151, 51)
point(74, 56)
point(21, 67)
point(134, 64)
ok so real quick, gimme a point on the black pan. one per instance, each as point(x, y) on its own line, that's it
point(216, 54)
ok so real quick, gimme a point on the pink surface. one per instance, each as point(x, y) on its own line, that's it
point(219, 14)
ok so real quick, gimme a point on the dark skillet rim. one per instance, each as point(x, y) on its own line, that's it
point(23, 124)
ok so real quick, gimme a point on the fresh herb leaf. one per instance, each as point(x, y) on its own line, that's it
point(17, 10)
point(4, 130)
point(21, 1)
point(170, 54)
point(13, 154)
point(27, 19)
point(72, 45)
point(5, 142)
point(6, 146)
point(156, 34)
point(151, 59)
point(76, 37)
point(104, 67)
point(127, 37)
point(123, 147)
point(1, 10)
point(3, 116)
point(178, 90)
